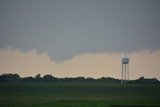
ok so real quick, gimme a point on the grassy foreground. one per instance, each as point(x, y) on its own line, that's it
point(79, 95)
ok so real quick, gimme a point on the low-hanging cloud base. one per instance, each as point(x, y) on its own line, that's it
point(29, 63)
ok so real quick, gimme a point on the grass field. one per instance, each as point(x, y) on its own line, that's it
point(79, 95)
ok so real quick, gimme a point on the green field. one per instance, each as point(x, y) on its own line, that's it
point(79, 95)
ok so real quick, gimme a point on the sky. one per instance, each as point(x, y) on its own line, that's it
point(69, 38)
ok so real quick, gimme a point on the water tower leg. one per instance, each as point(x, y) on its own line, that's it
point(128, 71)
point(122, 74)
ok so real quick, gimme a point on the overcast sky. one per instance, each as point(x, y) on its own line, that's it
point(66, 28)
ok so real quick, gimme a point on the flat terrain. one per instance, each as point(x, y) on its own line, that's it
point(79, 95)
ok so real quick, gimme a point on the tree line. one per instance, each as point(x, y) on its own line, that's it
point(49, 78)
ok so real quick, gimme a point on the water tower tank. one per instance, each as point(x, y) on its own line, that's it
point(125, 60)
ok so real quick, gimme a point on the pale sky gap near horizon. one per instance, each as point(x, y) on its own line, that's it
point(80, 37)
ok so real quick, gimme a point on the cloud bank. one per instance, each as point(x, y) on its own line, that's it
point(29, 63)
point(66, 28)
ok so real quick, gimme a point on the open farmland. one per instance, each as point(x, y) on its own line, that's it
point(79, 95)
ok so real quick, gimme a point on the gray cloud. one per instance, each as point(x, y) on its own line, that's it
point(64, 28)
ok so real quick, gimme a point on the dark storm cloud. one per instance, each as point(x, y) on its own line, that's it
point(64, 28)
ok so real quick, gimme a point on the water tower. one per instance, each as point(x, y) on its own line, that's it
point(125, 70)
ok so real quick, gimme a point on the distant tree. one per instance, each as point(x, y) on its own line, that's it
point(79, 79)
point(108, 80)
point(70, 79)
point(2, 78)
point(141, 78)
point(38, 77)
point(90, 79)
point(66, 79)
point(28, 79)
point(9, 77)
point(154, 80)
point(49, 78)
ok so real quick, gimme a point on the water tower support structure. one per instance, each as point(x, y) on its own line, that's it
point(125, 70)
